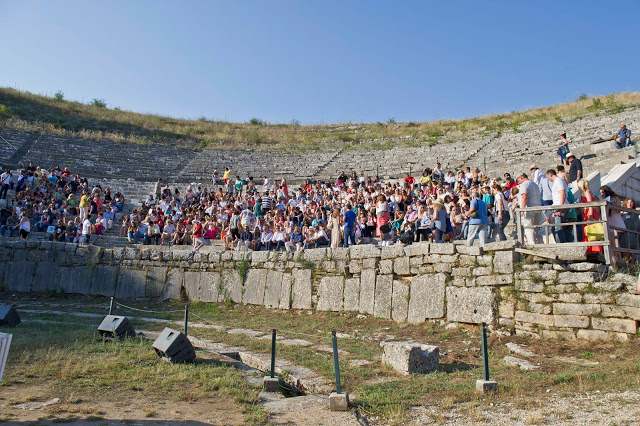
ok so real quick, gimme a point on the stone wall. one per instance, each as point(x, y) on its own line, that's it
point(417, 283)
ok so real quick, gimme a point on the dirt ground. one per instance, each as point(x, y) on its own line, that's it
point(114, 407)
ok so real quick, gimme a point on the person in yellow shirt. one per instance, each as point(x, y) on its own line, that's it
point(84, 205)
point(227, 175)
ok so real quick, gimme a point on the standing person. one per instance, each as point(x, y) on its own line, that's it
point(334, 226)
point(86, 229)
point(501, 212)
point(589, 214)
point(84, 204)
point(622, 138)
point(349, 218)
point(198, 236)
point(5, 178)
point(537, 176)
point(158, 188)
point(559, 191)
point(24, 226)
point(478, 220)
point(439, 220)
point(563, 149)
point(382, 213)
point(575, 168)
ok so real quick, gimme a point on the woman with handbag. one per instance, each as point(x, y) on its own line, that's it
point(593, 232)
point(382, 214)
point(563, 149)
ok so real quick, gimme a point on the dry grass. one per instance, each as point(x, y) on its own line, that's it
point(34, 113)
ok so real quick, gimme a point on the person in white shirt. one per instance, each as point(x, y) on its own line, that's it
point(537, 174)
point(167, 231)
point(5, 178)
point(86, 229)
point(559, 195)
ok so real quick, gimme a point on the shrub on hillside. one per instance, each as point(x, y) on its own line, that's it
point(59, 96)
point(99, 103)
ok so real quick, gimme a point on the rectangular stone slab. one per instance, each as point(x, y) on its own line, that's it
point(285, 291)
point(272, 289)
point(351, 294)
point(471, 304)
point(231, 286)
point(104, 280)
point(399, 301)
point(384, 288)
point(301, 290)
point(330, 293)
point(367, 290)
point(254, 287)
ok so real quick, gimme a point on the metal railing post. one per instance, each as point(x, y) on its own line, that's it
point(273, 352)
point(186, 318)
point(111, 307)
point(336, 364)
point(485, 352)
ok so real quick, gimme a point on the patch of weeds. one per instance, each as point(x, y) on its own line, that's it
point(305, 264)
point(242, 268)
point(586, 355)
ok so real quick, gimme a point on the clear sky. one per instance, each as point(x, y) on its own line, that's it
point(320, 61)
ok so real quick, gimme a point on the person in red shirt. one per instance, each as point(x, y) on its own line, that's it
point(198, 236)
point(409, 180)
point(509, 181)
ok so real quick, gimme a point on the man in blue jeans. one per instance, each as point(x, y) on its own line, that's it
point(349, 226)
point(622, 138)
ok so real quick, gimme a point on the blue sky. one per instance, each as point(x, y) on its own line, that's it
point(320, 61)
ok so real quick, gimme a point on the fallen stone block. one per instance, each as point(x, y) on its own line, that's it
point(519, 362)
point(407, 357)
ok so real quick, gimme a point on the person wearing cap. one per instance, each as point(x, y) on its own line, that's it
point(575, 168)
point(622, 138)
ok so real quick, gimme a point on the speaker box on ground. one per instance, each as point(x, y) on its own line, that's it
point(9, 316)
point(116, 326)
point(174, 346)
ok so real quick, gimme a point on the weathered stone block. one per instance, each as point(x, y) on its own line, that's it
point(444, 248)
point(399, 301)
point(46, 277)
point(426, 297)
point(470, 305)
point(506, 309)
point(614, 324)
point(351, 294)
point(384, 288)
point(301, 289)
point(571, 321)
point(370, 263)
point(481, 271)
point(576, 277)
point(315, 255)
point(254, 287)
point(231, 286)
point(417, 249)
point(627, 299)
point(500, 245)
point(401, 266)
point(408, 358)
point(596, 335)
point(503, 262)
point(471, 251)
point(330, 293)
point(538, 276)
point(285, 291)
point(367, 291)
point(338, 401)
point(391, 252)
point(362, 251)
point(355, 266)
point(18, 276)
point(339, 253)
point(534, 318)
point(495, 280)
point(173, 285)
point(273, 289)
point(443, 268)
point(621, 312)
point(575, 309)
point(461, 272)
point(155, 281)
point(258, 257)
point(386, 266)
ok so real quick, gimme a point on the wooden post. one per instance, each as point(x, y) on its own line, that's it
point(519, 227)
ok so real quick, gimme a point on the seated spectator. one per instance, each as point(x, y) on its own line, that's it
point(11, 224)
point(622, 138)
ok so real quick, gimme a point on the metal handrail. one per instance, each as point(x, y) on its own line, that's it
point(611, 237)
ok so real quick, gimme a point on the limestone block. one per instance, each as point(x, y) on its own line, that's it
point(18, 276)
point(596, 335)
point(464, 260)
point(426, 297)
point(416, 261)
point(614, 324)
point(386, 266)
point(104, 280)
point(285, 291)
point(470, 305)
point(597, 298)
point(408, 358)
point(401, 266)
point(621, 312)
point(444, 248)
point(417, 249)
point(539, 308)
point(273, 289)
point(77, 279)
point(383, 292)
point(254, 287)
point(370, 263)
point(231, 286)
point(399, 301)
point(210, 284)
point(351, 294)
point(45, 277)
point(367, 291)
point(449, 258)
point(443, 267)
point(613, 286)
point(338, 401)
point(576, 277)
point(503, 262)
point(362, 251)
point(391, 252)
point(626, 299)
point(571, 321)
point(355, 266)
point(461, 272)
point(155, 281)
point(569, 298)
point(567, 254)
point(485, 260)
point(506, 309)
point(481, 271)
point(173, 285)
point(330, 293)
point(500, 246)
point(576, 309)
point(495, 280)
point(557, 334)
point(432, 258)
point(534, 318)
point(471, 251)
point(538, 276)
point(459, 282)
point(315, 255)
point(301, 289)
point(258, 257)
point(339, 253)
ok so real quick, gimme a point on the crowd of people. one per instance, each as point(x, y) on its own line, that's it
point(244, 215)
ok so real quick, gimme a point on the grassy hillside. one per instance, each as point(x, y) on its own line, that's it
point(25, 111)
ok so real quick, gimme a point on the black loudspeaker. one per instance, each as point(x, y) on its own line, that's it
point(174, 346)
point(9, 316)
point(116, 326)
